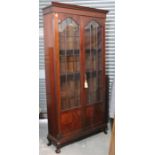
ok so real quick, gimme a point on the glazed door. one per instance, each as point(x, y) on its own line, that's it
point(94, 71)
point(70, 74)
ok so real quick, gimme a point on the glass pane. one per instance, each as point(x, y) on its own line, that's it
point(93, 56)
point(69, 64)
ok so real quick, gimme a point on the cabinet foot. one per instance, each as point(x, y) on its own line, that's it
point(49, 142)
point(105, 130)
point(57, 150)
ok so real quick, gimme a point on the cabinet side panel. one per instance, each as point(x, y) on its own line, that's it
point(49, 72)
point(56, 69)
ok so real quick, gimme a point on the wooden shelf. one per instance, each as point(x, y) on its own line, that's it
point(93, 50)
point(73, 52)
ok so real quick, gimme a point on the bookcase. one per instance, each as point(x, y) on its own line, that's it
point(75, 72)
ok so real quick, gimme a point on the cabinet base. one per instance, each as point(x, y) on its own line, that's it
point(59, 143)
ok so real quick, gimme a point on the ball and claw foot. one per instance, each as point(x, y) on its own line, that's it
point(57, 150)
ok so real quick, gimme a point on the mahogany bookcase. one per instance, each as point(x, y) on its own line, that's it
point(75, 72)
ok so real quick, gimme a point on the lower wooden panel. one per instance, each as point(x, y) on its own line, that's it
point(94, 115)
point(73, 128)
point(70, 121)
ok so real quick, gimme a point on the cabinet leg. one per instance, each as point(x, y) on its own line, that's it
point(57, 149)
point(105, 130)
point(49, 142)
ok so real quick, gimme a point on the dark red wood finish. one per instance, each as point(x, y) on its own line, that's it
point(72, 124)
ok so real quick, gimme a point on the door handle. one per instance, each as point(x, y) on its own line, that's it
point(85, 82)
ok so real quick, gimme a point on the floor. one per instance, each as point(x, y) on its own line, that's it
point(97, 144)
